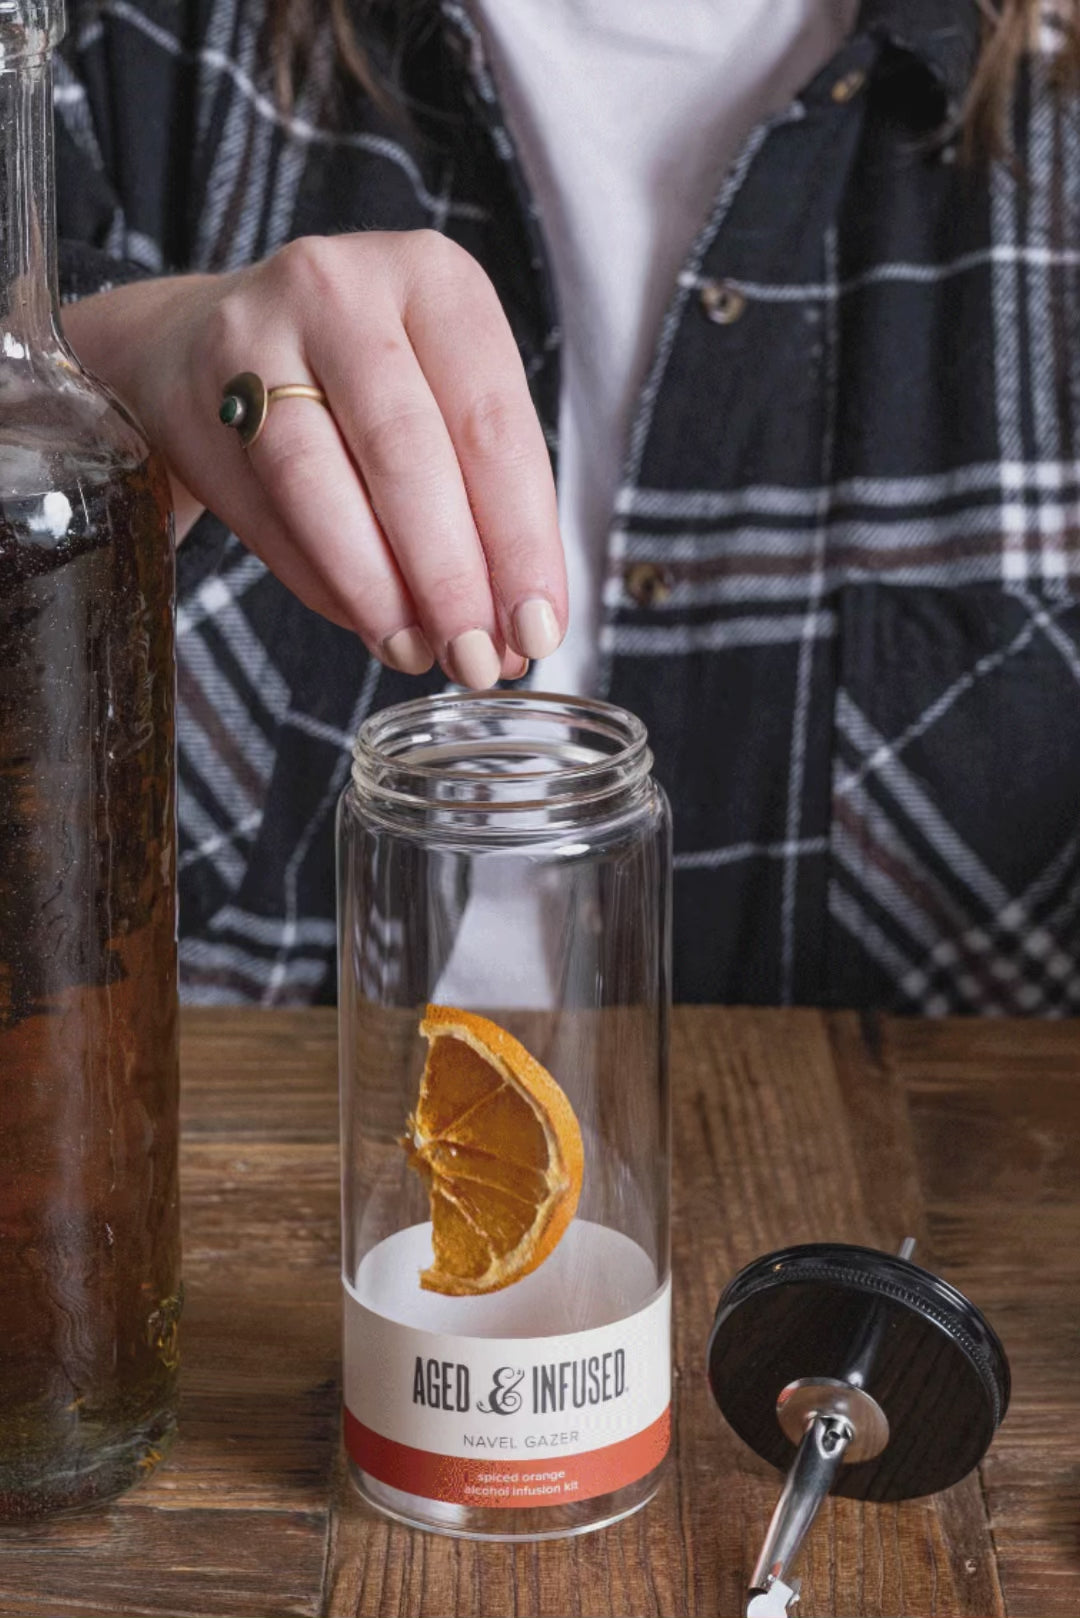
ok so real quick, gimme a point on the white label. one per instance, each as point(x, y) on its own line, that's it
point(495, 1410)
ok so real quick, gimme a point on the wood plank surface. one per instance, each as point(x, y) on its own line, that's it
point(789, 1126)
point(995, 1118)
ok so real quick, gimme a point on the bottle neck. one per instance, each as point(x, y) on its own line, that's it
point(28, 297)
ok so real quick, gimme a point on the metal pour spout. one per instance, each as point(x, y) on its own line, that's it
point(820, 1456)
point(839, 1423)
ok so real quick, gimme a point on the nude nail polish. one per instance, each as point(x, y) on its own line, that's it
point(536, 628)
point(474, 660)
point(408, 652)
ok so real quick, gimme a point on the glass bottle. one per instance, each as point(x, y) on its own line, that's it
point(505, 857)
point(89, 1241)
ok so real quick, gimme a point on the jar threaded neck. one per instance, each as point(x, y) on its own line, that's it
point(501, 753)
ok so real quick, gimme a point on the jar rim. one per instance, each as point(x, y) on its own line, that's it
point(389, 762)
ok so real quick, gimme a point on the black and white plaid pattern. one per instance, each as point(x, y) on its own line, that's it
point(841, 584)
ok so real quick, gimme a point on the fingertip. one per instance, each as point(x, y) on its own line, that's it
point(514, 667)
point(474, 660)
point(408, 651)
point(536, 628)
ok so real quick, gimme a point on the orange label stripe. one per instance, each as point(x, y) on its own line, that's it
point(491, 1481)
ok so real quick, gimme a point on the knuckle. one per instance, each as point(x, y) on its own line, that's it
point(440, 267)
point(309, 265)
point(514, 556)
point(406, 443)
point(491, 430)
point(453, 595)
point(223, 332)
point(431, 248)
point(292, 471)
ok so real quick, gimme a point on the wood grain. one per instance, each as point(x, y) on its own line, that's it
point(995, 1117)
point(788, 1127)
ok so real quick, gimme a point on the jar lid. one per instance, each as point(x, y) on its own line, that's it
point(877, 1322)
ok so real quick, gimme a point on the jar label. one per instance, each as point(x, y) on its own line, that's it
point(508, 1421)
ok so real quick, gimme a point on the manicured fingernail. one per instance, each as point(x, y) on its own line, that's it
point(408, 652)
point(536, 627)
point(517, 669)
point(474, 660)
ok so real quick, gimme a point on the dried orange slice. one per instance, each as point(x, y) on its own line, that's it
point(498, 1146)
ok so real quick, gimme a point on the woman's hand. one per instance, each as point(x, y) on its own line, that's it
point(419, 510)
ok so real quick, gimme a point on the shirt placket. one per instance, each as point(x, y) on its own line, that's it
point(739, 404)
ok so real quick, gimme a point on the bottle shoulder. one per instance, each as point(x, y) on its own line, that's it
point(78, 478)
point(60, 426)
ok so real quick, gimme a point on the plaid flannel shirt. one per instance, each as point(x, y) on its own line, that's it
point(841, 572)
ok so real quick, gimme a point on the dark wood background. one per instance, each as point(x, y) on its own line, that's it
point(790, 1126)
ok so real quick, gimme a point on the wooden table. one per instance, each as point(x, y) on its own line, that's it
point(788, 1127)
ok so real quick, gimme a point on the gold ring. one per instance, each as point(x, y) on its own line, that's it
point(246, 401)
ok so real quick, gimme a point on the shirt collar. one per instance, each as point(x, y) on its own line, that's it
point(945, 34)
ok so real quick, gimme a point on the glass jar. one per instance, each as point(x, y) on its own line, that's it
point(504, 861)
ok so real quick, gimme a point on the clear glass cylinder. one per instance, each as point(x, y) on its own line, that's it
point(504, 861)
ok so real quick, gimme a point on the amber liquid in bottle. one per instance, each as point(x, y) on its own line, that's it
point(89, 1217)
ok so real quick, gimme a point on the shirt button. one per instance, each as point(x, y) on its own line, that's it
point(647, 584)
point(850, 85)
point(722, 302)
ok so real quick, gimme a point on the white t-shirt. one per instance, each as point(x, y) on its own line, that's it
point(626, 114)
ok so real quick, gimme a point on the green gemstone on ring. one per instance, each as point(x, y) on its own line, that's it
point(232, 411)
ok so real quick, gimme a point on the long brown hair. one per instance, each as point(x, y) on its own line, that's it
point(291, 27)
point(1009, 26)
